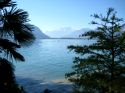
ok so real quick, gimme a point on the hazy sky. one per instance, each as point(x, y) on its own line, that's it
point(50, 15)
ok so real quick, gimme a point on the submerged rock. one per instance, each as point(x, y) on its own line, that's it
point(47, 91)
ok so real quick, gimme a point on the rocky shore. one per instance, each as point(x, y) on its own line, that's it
point(36, 86)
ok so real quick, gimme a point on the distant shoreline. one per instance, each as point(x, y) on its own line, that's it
point(63, 38)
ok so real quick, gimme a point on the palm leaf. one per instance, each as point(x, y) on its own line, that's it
point(6, 3)
point(10, 49)
point(15, 25)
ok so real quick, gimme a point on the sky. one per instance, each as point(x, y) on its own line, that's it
point(51, 15)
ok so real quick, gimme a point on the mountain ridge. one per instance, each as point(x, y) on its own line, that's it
point(66, 33)
point(38, 33)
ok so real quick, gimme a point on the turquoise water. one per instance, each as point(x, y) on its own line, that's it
point(46, 59)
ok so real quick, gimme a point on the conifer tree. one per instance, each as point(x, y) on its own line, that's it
point(100, 66)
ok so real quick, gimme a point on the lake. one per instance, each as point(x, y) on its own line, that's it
point(47, 60)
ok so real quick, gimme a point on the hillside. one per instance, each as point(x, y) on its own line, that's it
point(39, 34)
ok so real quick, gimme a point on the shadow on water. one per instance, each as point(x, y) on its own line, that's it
point(36, 86)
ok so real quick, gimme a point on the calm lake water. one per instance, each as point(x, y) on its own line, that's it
point(46, 60)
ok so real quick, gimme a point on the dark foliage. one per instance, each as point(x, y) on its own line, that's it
point(7, 78)
point(101, 65)
point(15, 32)
point(6, 3)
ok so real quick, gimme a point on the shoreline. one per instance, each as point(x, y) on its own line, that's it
point(62, 81)
point(36, 86)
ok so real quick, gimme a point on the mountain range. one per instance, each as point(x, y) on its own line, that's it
point(66, 33)
point(39, 34)
point(60, 33)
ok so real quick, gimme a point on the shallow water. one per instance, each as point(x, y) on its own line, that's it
point(46, 60)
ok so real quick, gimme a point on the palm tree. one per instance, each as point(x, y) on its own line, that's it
point(15, 32)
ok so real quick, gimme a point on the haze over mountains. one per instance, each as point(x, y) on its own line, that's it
point(60, 33)
point(39, 34)
point(66, 33)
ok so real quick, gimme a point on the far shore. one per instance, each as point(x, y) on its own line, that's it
point(64, 38)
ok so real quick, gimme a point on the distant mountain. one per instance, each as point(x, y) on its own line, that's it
point(66, 33)
point(77, 33)
point(39, 34)
point(59, 33)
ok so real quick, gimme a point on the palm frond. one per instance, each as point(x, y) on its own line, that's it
point(6, 3)
point(6, 71)
point(10, 49)
point(15, 24)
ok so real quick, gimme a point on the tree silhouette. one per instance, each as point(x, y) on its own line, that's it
point(101, 64)
point(15, 32)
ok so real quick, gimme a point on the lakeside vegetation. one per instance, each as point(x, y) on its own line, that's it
point(15, 32)
point(100, 67)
